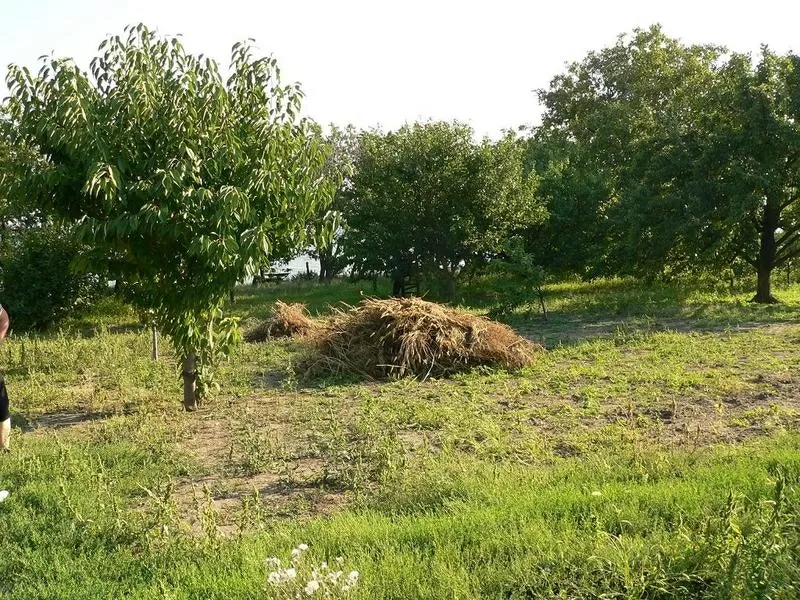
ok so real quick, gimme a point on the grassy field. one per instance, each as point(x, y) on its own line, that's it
point(652, 452)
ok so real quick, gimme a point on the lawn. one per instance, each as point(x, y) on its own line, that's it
point(652, 452)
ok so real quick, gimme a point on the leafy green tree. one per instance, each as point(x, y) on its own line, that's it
point(328, 228)
point(38, 284)
point(574, 239)
point(179, 181)
point(682, 158)
point(728, 183)
point(601, 116)
point(428, 199)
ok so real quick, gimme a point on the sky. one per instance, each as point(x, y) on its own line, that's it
point(386, 63)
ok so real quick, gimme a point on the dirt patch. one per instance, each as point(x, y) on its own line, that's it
point(228, 482)
point(236, 499)
point(210, 442)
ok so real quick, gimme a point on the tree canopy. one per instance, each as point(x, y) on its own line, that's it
point(673, 158)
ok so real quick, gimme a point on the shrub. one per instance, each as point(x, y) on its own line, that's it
point(39, 285)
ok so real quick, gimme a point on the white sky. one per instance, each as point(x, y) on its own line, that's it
point(385, 63)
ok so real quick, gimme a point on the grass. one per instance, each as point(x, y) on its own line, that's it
point(653, 452)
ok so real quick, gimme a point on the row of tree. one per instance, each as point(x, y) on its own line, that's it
point(653, 158)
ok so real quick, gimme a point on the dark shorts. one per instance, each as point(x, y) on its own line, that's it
point(4, 414)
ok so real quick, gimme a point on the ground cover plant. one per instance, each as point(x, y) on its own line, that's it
point(651, 452)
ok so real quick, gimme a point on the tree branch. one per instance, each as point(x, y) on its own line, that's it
point(790, 230)
point(781, 260)
point(789, 202)
point(786, 243)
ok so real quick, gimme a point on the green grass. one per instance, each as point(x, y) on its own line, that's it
point(652, 452)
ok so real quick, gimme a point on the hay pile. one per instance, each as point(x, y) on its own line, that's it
point(411, 337)
point(285, 320)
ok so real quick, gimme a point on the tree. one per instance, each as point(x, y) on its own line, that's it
point(39, 285)
point(681, 158)
point(179, 181)
point(574, 239)
point(600, 117)
point(427, 199)
point(328, 248)
point(732, 177)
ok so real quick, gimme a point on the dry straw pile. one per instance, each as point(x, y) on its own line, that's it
point(412, 337)
point(285, 320)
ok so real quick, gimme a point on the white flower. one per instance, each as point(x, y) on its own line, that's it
point(273, 561)
point(274, 578)
point(352, 577)
point(311, 587)
point(296, 552)
point(302, 547)
point(333, 576)
point(290, 573)
point(339, 560)
point(324, 565)
point(3, 495)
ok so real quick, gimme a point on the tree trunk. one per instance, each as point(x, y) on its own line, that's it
point(449, 285)
point(325, 267)
point(398, 285)
point(190, 382)
point(119, 285)
point(764, 287)
point(540, 293)
point(155, 343)
point(766, 254)
point(260, 277)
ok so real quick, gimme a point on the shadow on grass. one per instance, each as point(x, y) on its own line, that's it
point(560, 330)
point(65, 418)
point(617, 308)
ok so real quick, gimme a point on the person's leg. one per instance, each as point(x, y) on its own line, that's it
point(5, 416)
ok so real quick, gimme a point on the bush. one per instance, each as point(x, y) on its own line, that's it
point(39, 286)
point(519, 279)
